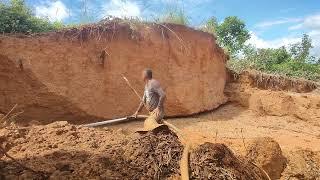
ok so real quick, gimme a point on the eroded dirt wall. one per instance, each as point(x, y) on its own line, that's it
point(33, 98)
point(266, 100)
point(84, 66)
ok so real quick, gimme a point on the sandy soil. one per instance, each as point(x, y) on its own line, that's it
point(232, 123)
point(63, 150)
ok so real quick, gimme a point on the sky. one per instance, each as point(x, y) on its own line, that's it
point(272, 23)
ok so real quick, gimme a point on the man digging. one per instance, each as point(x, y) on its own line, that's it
point(153, 99)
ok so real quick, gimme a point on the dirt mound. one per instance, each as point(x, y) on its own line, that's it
point(216, 161)
point(302, 164)
point(63, 151)
point(79, 70)
point(60, 150)
point(155, 155)
point(266, 153)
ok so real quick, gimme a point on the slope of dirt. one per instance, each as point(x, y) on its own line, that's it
point(305, 106)
point(84, 67)
point(33, 98)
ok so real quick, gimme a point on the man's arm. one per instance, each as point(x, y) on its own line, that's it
point(140, 105)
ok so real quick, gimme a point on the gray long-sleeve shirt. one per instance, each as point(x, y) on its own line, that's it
point(154, 95)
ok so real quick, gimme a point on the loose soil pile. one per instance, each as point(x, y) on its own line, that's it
point(216, 161)
point(61, 150)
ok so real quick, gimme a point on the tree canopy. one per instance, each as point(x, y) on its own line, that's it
point(301, 50)
point(232, 34)
point(16, 17)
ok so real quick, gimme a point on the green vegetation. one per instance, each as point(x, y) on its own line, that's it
point(231, 33)
point(16, 17)
point(175, 17)
point(292, 61)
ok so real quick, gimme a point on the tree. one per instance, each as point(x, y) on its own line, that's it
point(232, 34)
point(281, 55)
point(211, 26)
point(301, 50)
point(17, 17)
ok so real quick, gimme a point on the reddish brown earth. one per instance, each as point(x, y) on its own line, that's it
point(270, 124)
point(243, 125)
point(76, 73)
point(62, 150)
point(259, 95)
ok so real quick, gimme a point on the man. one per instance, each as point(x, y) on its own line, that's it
point(153, 99)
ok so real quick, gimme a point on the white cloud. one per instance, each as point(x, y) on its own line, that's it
point(266, 24)
point(309, 25)
point(312, 22)
point(285, 41)
point(296, 27)
point(54, 11)
point(274, 43)
point(315, 36)
point(122, 8)
point(309, 22)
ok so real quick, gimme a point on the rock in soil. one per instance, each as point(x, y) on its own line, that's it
point(266, 153)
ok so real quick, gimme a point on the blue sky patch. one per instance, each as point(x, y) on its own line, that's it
point(272, 23)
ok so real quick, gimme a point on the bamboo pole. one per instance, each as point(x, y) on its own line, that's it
point(184, 163)
point(112, 121)
point(3, 118)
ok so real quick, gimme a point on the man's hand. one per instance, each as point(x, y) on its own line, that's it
point(157, 111)
point(135, 115)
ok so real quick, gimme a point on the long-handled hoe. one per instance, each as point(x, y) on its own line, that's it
point(184, 164)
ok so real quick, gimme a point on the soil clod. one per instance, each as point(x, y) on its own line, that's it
point(216, 161)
